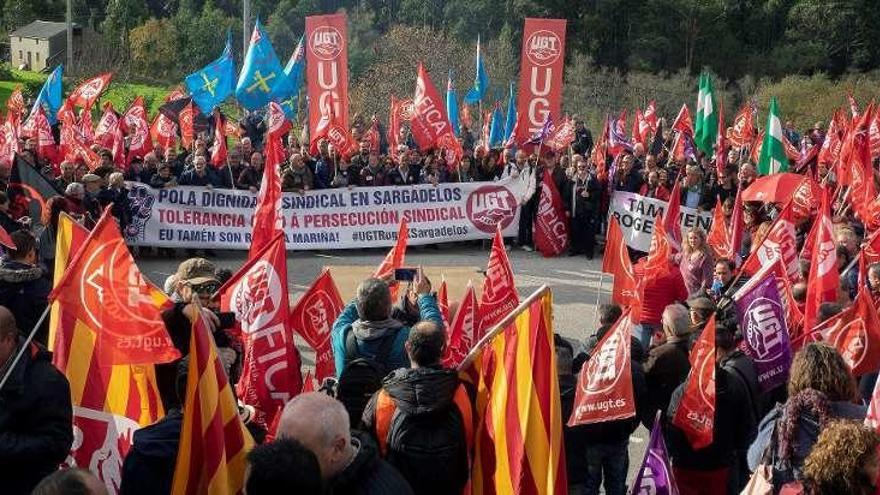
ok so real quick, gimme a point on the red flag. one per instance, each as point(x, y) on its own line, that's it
point(118, 149)
point(46, 148)
point(313, 318)
point(780, 242)
point(719, 235)
point(134, 123)
point(855, 333)
point(860, 165)
point(278, 125)
point(257, 294)
point(164, 131)
point(465, 115)
point(443, 302)
point(830, 150)
point(695, 415)
point(395, 257)
point(187, 129)
point(755, 155)
point(104, 132)
point(463, 333)
point(327, 66)
point(372, 136)
point(742, 133)
point(618, 133)
point(874, 135)
point(650, 115)
point(551, 226)
point(599, 154)
point(824, 278)
point(658, 264)
point(499, 295)
point(604, 390)
point(671, 223)
point(268, 217)
point(430, 125)
point(336, 135)
point(853, 106)
point(871, 248)
point(309, 383)
point(683, 122)
point(88, 91)
point(218, 148)
point(6, 240)
point(641, 128)
point(393, 128)
point(104, 288)
point(616, 262)
point(15, 103)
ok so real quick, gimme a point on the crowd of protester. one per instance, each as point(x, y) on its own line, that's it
point(397, 421)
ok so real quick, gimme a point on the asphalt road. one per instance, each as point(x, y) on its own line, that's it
point(575, 283)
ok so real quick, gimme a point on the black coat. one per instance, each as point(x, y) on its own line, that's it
point(666, 368)
point(36, 422)
point(368, 474)
point(149, 465)
point(24, 291)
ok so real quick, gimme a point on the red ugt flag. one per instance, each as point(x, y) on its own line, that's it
point(257, 294)
point(696, 411)
point(824, 278)
point(605, 389)
point(313, 317)
point(855, 333)
point(616, 262)
point(88, 91)
point(551, 226)
point(463, 333)
point(499, 295)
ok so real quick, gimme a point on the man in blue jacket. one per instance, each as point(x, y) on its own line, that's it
point(368, 318)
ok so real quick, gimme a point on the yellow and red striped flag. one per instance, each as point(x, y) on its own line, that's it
point(213, 439)
point(518, 448)
point(109, 403)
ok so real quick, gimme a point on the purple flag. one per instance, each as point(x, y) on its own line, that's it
point(762, 319)
point(541, 135)
point(655, 475)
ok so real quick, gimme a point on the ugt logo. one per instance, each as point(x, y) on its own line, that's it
point(543, 47)
point(326, 43)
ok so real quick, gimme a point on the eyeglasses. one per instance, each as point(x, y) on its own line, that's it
point(208, 288)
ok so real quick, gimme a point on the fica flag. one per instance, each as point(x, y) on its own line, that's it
point(260, 73)
point(327, 69)
point(541, 66)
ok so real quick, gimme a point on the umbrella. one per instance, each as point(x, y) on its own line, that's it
point(779, 188)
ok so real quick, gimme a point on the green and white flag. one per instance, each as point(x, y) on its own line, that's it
point(773, 159)
point(706, 125)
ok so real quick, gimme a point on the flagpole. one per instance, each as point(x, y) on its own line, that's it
point(501, 325)
point(24, 346)
point(598, 294)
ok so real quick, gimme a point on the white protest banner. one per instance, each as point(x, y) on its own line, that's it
point(361, 217)
point(636, 214)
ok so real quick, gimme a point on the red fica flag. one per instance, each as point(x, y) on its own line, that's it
point(134, 123)
point(719, 235)
point(742, 133)
point(855, 333)
point(218, 148)
point(185, 120)
point(327, 68)
point(551, 226)
point(88, 91)
point(278, 124)
point(780, 243)
point(540, 83)
point(462, 333)
point(695, 415)
point(824, 279)
point(257, 294)
point(268, 219)
point(605, 389)
point(616, 262)
point(429, 124)
point(313, 318)
point(499, 295)
point(104, 289)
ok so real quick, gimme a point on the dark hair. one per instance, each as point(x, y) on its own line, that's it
point(799, 292)
point(54, 207)
point(827, 310)
point(64, 482)
point(3, 198)
point(609, 313)
point(283, 466)
point(426, 340)
point(727, 261)
point(373, 300)
point(223, 274)
point(725, 334)
point(24, 243)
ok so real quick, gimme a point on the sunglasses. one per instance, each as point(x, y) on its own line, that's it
point(208, 288)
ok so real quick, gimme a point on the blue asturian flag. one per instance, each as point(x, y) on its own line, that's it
point(510, 121)
point(260, 73)
point(452, 104)
point(287, 91)
point(481, 81)
point(496, 128)
point(213, 84)
point(50, 95)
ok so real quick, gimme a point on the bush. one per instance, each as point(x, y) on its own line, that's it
point(5, 71)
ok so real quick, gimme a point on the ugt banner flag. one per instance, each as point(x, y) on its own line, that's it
point(327, 69)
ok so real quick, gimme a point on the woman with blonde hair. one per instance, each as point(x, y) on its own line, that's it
point(696, 261)
point(844, 460)
point(820, 389)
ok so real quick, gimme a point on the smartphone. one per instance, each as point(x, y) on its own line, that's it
point(405, 274)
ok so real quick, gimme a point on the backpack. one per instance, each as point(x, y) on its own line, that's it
point(362, 375)
point(428, 449)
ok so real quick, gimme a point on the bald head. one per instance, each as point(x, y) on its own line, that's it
point(321, 424)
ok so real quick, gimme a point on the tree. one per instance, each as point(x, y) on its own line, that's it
point(122, 17)
point(154, 48)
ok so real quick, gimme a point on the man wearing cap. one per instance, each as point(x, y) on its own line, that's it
point(701, 309)
point(196, 283)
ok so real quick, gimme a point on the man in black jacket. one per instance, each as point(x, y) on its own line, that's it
point(418, 417)
point(23, 286)
point(350, 462)
point(36, 416)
